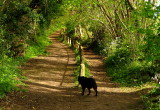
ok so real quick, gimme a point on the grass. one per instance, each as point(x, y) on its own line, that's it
point(10, 73)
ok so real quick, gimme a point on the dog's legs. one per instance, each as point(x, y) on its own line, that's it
point(95, 89)
point(89, 91)
point(83, 89)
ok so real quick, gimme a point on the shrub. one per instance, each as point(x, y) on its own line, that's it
point(120, 57)
point(152, 99)
point(9, 75)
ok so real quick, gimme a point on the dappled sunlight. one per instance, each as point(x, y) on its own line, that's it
point(120, 90)
point(51, 84)
point(39, 72)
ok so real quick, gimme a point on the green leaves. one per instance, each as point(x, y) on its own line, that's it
point(9, 74)
point(22, 35)
point(151, 100)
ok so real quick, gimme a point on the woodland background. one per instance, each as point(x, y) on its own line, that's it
point(125, 32)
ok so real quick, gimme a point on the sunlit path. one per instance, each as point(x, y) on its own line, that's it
point(51, 85)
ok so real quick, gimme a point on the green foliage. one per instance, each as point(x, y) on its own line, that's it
point(77, 54)
point(70, 29)
point(133, 57)
point(126, 37)
point(120, 57)
point(9, 74)
point(23, 34)
point(38, 47)
point(152, 99)
point(77, 70)
point(129, 74)
point(87, 70)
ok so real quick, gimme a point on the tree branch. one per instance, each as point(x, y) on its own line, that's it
point(3, 5)
point(129, 4)
point(104, 25)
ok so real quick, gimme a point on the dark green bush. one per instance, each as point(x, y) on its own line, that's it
point(152, 99)
point(120, 57)
point(127, 71)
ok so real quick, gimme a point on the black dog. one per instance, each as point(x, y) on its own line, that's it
point(87, 83)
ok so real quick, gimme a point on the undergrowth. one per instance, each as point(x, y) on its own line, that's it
point(152, 99)
point(123, 65)
point(11, 76)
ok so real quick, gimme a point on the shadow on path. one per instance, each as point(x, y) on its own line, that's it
point(46, 74)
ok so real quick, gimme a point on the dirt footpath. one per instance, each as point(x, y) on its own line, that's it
point(51, 85)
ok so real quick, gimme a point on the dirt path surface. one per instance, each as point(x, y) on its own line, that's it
point(51, 85)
